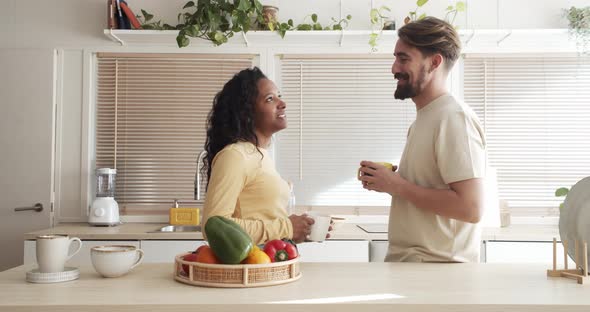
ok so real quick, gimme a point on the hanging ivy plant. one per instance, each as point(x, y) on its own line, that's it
point(579, 26)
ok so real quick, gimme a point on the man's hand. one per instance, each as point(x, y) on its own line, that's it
point(379, 178)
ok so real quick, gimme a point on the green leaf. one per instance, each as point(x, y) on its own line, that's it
point(337, 27)
point(374, 14)
point(218, 36)
point(460, 6)
point(282, 32)
point(317, 26)
point(188, 5)
point(258, 6)
point(423, 15)
point(147, 16)
point(304, 27)
point(349, 17)
point(192, 31)
point(246, 27)
point(244, 5)
point(290, 22)
point(182, 41)
point(314, 18)
point(373, 39)
point(421, 2)
point(562, 191)
point(450, 8)
point(214, 20)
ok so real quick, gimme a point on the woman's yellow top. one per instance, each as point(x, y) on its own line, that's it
point(246, 188)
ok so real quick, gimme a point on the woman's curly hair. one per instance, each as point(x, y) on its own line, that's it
point(232, 117)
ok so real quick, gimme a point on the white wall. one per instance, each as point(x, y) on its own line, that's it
point(75, 25)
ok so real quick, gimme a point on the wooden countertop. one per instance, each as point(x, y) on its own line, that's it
point(323, 287)
point(343, 231)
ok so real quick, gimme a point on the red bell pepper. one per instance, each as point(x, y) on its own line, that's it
point(279, 250)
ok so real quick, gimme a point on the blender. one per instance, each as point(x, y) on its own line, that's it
point(104, 209)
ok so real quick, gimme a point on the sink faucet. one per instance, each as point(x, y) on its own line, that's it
point(197, 192)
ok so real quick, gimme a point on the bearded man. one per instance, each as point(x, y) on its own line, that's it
point(437, 193)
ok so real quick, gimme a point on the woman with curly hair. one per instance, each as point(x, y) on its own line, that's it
point(243, 184)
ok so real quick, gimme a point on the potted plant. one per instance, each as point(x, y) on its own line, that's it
point(579, 26)
point(215, 20)
point(218, 20)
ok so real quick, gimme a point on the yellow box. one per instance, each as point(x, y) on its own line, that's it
point(184, 216)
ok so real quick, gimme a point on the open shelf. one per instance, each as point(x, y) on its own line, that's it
point(474, 40)
point(252, 38)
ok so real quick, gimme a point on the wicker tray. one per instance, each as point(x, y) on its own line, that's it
point(236, 275)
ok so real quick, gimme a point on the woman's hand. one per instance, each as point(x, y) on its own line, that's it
point(301, 227)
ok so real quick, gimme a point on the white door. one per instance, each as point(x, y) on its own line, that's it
point(26, 147)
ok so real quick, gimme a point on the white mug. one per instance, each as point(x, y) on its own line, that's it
point(115, 260)
point(320, 227)
point(52, 252)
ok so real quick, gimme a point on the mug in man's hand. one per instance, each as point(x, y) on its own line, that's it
point(385, 164)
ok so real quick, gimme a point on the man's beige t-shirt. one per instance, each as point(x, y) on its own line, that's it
point(246, 188)
point(445, 144)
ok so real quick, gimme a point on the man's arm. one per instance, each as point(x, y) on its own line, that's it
point(464, 201)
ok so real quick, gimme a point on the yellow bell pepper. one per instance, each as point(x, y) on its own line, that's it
point(257, 256)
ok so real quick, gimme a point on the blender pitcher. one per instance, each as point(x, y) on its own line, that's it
point(104, 209)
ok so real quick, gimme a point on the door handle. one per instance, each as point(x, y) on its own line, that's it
point(38, 208)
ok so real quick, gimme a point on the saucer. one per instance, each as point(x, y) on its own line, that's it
point(69, 274)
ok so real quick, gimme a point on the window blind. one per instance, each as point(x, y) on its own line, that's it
point(151, 122)
point(536, 113)
point(340, 110)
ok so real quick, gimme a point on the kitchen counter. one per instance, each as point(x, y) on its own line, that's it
point(343, 231)
point(323, 287)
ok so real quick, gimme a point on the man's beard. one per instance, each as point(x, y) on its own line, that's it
point(408, 90)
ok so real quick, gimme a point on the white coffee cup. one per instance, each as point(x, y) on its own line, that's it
point(320, 227)
point(115, 260)
point(52, 252)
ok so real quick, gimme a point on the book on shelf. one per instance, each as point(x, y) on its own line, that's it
point(122, 20)
point(129, 15)
point(112, 14)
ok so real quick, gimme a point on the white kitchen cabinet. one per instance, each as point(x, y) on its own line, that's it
point(166, 250)
point(335, 251)
point(81, 258)
point(328, 251)
point(524, 252)
point(378, 250)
